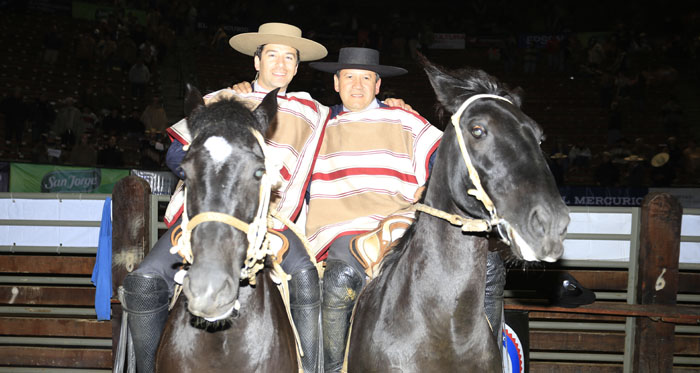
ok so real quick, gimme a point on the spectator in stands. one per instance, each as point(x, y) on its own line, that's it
point(52, 45)
point(620, 151)
point(84, 51)
point(615, 120)
point(530, 57)
point(127, 52)
point(84, 152)
point(606, 173)
point(636, 173)
point(642, 149)
point(133, 126)
point(671, 115)
point(16, 113)
point(139, 76)
point(580, 155)
point(68, 121)
point(691, 160)
point(154, 116)
point(110, 154)
point(41, 116)
point(219, 42)
point(113, 123)
point(663, 172)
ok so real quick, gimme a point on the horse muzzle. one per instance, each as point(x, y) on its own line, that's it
point(542, 238)
point(211, 299)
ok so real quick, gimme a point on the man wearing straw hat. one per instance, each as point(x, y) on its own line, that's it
point(277, 49)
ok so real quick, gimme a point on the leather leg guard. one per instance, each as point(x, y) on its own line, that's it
point(341, 286)
point(305, 306)
point(146, 304)
point(493, 298)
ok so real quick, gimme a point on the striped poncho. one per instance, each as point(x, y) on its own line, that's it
point(292, 142)
point(369, 166)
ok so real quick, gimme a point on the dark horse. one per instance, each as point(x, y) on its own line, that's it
point(206, 332)
point(425, 310)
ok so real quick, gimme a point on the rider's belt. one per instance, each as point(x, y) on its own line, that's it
point(369, 248)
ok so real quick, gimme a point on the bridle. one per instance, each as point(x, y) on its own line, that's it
point(478, 192)
point(256, 231)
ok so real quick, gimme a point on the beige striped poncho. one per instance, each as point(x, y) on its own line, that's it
point(369, 166)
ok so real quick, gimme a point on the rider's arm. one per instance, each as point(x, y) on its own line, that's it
point(174, 157)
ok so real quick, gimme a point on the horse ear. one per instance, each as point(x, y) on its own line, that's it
point(193, 99)
point(267, 109)
point(516, 96)
point(446, 87)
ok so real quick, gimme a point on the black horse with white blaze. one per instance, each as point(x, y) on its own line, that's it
point(226, 323)
point(424, 312)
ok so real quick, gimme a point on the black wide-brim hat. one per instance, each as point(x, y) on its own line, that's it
point(358, 59)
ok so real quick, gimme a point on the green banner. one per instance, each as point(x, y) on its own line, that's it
point(37, 178)
point(96, 11)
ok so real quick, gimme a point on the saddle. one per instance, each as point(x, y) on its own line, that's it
point(370, 248)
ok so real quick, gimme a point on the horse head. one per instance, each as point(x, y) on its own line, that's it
point(517, 191)
point(224, 166)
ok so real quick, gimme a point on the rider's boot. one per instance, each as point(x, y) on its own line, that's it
point(305, 305)
point(146, 305)
point(493, 298)
point(341, 286)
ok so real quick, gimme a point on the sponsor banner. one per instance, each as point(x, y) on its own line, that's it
point(602, 196)
point(33, 178)
point(448, 41)
point(624, 197)
point(161, 182)
point(101, 11)
point(4, 177)
point(537, 40)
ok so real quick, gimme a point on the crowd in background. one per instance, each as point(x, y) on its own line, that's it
point(97, 125)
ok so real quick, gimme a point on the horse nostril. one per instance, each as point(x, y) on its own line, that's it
point(538, 220)
point(563, 225)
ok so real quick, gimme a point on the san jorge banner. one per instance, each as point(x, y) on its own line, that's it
point(34, 178)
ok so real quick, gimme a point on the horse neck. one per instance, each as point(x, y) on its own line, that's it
point(440, 254)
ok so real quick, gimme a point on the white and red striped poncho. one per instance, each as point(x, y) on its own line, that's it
point(369, 166)
point(292, 143)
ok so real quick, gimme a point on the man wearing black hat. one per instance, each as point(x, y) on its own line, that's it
point(372, 161)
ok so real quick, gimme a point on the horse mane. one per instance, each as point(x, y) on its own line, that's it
point(466, 82)
point(229, 117)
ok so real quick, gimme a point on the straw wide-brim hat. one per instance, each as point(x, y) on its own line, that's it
point(634, 158)
point(278, 33)
point(358, 59)
point(660, 159)
point(558, 156)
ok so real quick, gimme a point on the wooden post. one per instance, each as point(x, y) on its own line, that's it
point(130, 237)
point(657, 280)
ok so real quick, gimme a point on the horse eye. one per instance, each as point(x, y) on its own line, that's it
point(478, 131)
point(259, 173)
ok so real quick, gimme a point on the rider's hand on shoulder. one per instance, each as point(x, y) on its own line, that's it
point(397, 102)
point(242, 87)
